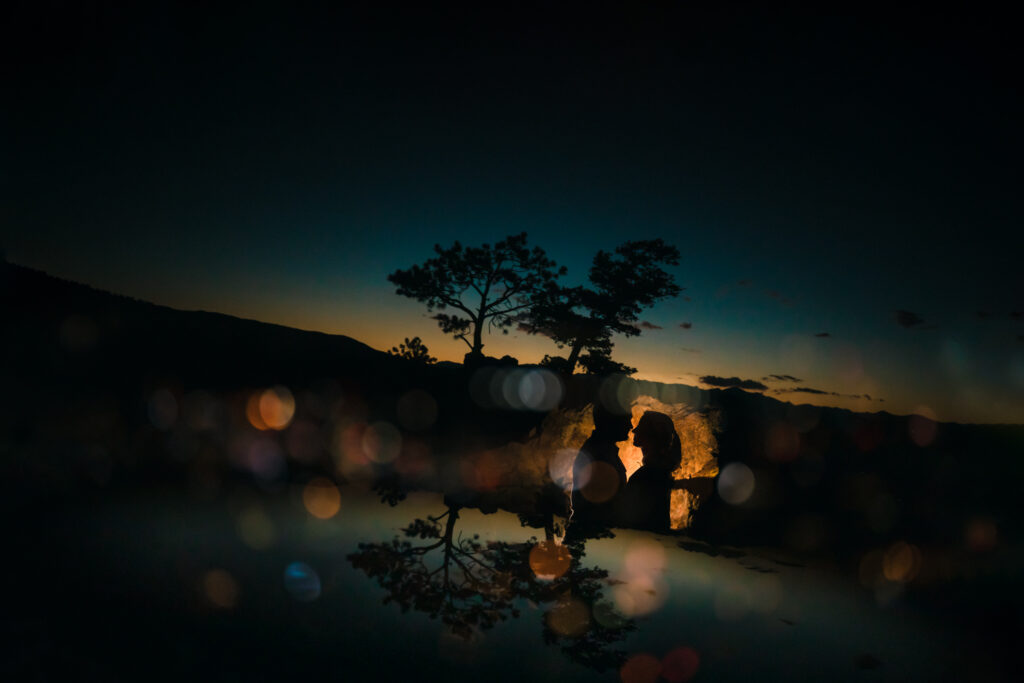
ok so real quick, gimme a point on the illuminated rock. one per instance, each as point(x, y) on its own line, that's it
point(544, 461)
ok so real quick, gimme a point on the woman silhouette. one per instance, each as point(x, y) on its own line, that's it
point(645, 502)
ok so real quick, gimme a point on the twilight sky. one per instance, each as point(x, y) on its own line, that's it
point(844, 188)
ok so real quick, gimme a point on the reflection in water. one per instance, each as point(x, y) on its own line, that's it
point(471, 585)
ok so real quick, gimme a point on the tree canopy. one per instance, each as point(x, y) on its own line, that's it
point(622, 284)
point(413, 349)
point(485, 286)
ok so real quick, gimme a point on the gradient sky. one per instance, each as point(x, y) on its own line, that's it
point(818, 172)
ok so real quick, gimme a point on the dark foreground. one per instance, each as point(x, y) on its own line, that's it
point(257, 589)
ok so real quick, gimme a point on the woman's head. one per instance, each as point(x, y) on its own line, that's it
point(656, 436)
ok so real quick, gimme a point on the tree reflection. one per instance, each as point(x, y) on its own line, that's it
point(471, 585)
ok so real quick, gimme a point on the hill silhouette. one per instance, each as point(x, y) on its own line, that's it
point(83, 366)
point(68, 331)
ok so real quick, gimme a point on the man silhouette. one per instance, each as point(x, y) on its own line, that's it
point(598, 475)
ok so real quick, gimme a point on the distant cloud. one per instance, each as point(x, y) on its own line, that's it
point(687, 299)
point(649, 325)
point(908, 318)
point(730, 382)
point(782, 378)
point(772, 293)
point(819, 392)
point(744, 283)
point(686, 326)
point(683, 348)
point(823, 334)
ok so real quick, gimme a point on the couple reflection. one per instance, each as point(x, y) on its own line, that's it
point(470, 585)
point(601, 494)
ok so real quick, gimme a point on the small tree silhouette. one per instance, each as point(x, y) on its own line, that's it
point(413, 349)
point(487, 286)
point(623, 283)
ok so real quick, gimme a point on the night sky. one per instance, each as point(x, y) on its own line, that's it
point(844, 187)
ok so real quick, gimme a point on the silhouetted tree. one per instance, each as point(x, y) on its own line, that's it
point(413, 349)
point(487, 286)
point(471, 585)
point(464, 590)
point(622, 284)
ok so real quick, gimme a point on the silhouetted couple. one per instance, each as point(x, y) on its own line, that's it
point(605, 497)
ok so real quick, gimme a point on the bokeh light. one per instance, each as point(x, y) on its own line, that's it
point(263, 458)
point(382, 442)
point(602, 482)
point(735, 483)
point(302, 582)
point(540, 389)
point(560, 468)
point(505, 390)
point(549, 560)
point(220, 588)
point(640, 668)
point(645, 557)
point(887, 570)
point(347, 450)
point(642, 588)
point(252, 412)
point(640, 595)
point(526, 388)
point(276, 407)
point(618, 393)
point(901, 562)
point(680, 665)
point(321, 498)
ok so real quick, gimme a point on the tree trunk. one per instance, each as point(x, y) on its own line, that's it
point(478, 341)
point(574, 356)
